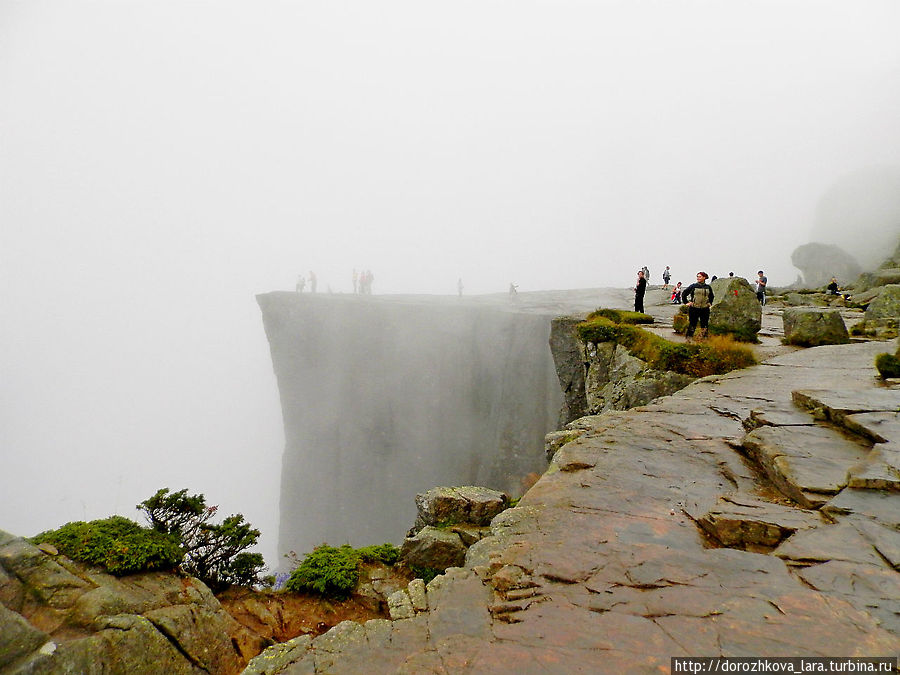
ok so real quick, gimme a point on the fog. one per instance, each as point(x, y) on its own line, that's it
point(162, 162)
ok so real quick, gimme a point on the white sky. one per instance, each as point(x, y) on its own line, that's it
point(161, 162)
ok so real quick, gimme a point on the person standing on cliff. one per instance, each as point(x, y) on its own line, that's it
point(667, 275)
point(761, 281)
point(312, 281)
point(698, 297)
point(639, 291)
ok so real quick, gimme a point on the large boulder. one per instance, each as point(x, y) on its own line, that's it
point(434, 547)
point(810, 326)
point(735, 311)
point(886, 305)
point(819, 262)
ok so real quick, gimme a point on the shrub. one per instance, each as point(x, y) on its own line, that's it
point(117, 544)
point(714, 356)
point(215, 554)
point(330, 571)
point(888, 365)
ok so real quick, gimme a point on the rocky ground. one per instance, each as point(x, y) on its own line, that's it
point(750, 514)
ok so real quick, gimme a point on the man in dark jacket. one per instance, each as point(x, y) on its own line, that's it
point(698, 297)
point(639, 291)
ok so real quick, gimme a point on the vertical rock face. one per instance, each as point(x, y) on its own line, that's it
point(385, 398)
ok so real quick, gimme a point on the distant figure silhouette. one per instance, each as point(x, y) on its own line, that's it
point(459, 287)
point(666, 276)
point(312, 281)
point(355, 279)
point(301, 283)
point(513, 289)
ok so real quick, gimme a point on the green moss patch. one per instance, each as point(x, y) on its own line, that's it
point(117, 544)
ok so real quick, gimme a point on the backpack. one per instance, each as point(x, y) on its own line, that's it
point(701, 298)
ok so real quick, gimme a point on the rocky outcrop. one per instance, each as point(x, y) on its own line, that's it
point(819, 262)
point(616, 380)
point(810, 327)
point(568, 358)
point(58, 616)
point(449, 521)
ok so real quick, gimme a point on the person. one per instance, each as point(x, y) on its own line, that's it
point(301, 283)
point(666, 276)
point(676, 294)
point(513, 289)
point(639, 291)
point(312, 281)
point(355, 280)
point(832, 288)
point(761, 282)
point(459, 287)
point(698, 297)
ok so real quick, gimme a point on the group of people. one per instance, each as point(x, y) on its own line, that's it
point(362, 282)
point(301, 283)
point(698, 296)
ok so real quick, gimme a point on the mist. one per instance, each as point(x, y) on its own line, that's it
point(161, 163)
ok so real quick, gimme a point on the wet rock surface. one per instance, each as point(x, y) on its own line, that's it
point(695, 525)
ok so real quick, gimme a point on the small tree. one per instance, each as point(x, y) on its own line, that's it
point(215, 554)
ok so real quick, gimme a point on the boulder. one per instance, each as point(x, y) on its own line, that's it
point(809, 327)
point(819, 262)
point(435, 548)
point(735, 311)
point(887, 304)
point(458, 505)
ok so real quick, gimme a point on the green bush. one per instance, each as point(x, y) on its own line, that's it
point(888, 365)
point(329, 571)
point(714, 356)
point(117, 544)
point(215, 554)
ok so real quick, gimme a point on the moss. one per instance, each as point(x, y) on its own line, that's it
point(888, 365)
point(620, 316)
point(117, 544)
point(714, 356)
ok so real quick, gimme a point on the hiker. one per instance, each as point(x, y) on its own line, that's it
point(761, 282)
point(666, 276)
point(639, 291)
point(676, 294)
point(698, 297)
point(301, 284)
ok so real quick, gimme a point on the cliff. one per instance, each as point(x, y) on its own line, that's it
point(383, 398)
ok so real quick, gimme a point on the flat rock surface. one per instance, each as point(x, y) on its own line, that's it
point(600, 568)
